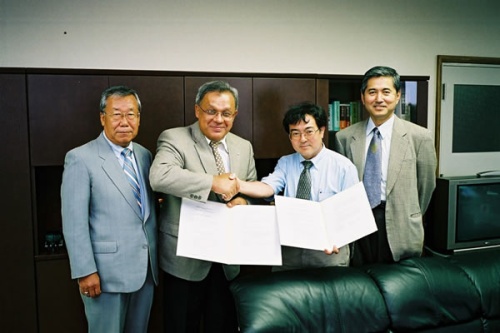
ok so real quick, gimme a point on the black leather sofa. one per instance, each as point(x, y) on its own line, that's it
point(455, 294)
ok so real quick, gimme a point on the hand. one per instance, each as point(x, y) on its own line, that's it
point(90, 285)
point(225, 185)
point(237, 201)
point(334, 250)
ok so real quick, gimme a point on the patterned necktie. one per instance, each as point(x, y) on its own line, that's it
point(129, 170)
point(218, 159)
point(373, 170)
point(304, 185)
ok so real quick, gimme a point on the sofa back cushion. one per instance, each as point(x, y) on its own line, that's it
point(423, 294)
point(331, 299)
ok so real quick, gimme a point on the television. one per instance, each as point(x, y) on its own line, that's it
point(464, 214)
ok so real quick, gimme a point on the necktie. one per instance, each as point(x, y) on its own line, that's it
point(129, 170)
point(218, 159)
point(373, 170)
point(304, 185)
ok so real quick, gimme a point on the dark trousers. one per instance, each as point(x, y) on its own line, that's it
point(209, 304)
point(373, 248)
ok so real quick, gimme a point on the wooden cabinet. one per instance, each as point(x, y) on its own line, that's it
point(271, 99)
point(18, 297)
point(60, 308)
point(63, 113)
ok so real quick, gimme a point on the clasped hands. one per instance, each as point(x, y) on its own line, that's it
point(226, 185)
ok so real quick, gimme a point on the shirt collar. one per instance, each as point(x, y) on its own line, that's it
point(315, 160)
point(223, 142)
point(385, 129)
point(117, 149)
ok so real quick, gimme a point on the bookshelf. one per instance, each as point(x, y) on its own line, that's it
point(345, 91)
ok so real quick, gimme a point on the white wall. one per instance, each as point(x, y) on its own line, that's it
point(275, 36)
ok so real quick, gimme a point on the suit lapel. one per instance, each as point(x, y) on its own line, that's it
point(357, 148)
point(399, 145)
point(143, 162)
point(112, 168)
point(203, 150)
point(234, 154)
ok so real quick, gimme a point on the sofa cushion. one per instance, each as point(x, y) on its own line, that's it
point(330, 299)
point(423, 294)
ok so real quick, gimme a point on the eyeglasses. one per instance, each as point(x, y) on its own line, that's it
point(227, 115)
point(117, 116)
point(296, 135)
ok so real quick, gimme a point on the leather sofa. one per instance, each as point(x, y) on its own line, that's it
point(460, 293)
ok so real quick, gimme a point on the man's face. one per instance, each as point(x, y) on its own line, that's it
point(120, 129)
point(380, 98)
point(216, 126)
point(306, 137)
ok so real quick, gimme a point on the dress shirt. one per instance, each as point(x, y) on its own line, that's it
point(331, 173)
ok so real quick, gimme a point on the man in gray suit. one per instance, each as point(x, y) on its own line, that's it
point(109, 220)
point(185, 167)
point(407, 176)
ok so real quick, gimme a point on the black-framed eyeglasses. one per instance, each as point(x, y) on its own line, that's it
point(227, 115)
point(308, 133)
point(117, 116)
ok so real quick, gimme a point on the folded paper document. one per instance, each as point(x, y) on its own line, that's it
point(243, 235)
point(253, 235)
point(338, 220)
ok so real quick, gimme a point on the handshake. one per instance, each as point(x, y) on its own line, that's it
point(227, 185)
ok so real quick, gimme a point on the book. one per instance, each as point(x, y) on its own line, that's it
point(335, 221)
point(330, 117)
point(344, 115)
point(355, 112)
point(336, 115)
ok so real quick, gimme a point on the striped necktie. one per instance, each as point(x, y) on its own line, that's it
point(132, 179)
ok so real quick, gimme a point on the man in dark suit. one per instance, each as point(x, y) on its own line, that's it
point(109, 220)
point(185, 167)
point(407, 176)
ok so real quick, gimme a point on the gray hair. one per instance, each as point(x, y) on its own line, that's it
point(218, 86)
point(121, 91)
point(379, 71)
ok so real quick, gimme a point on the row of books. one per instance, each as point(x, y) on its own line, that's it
point(342, 115)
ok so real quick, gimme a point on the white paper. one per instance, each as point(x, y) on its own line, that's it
point(338, 220)
point(242, 235)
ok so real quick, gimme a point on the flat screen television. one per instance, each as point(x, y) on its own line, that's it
point(464, 214)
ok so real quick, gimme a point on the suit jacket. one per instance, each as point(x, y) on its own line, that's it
point(411, 179)
point(183, 167)
point(102, 224)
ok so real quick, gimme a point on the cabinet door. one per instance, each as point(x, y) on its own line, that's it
point(162, 100)
point(271, 99)
point(18, 294)
point(64, 113)
point(60, 308)
point(243, 122)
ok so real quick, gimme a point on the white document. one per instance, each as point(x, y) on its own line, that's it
point(338, 220)
point(241, 235)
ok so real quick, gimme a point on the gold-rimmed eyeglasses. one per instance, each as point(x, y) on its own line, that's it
point(227, 115)
point(117, 116)
point(308, 133)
